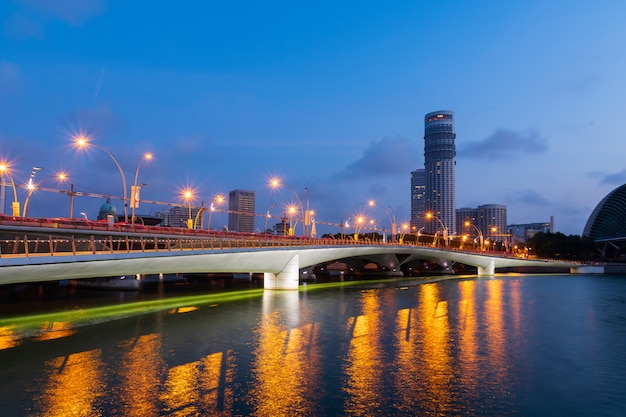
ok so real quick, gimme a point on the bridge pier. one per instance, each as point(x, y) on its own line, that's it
point(287, 279)
point(488, 270)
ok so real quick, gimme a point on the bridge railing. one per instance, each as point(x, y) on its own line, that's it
point(38, 244)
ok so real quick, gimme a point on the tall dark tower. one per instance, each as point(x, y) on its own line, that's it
point(439, 162)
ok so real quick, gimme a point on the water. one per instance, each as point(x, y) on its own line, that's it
point(511, 345)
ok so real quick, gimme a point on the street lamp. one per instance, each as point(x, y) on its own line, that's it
point(218, 199)
point(276, 183)
point(480, 234)
point(135, 189)
point(83, 142)
point(292, 211)
point(358, 222)
point(188, 195)
point(404, 229)
point(32, 186)
point(267, 215)
point(4, 169)
point(430, 216)
point(392, 220)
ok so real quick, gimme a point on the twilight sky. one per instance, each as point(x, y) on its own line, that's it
point(328, 95)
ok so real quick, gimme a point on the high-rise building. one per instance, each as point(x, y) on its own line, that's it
point(439, 163)
point(241, 211)
point(418, 200)
point(490, 219)
point(181, 216)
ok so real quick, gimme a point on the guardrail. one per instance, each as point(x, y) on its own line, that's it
point(37, 245)
point(77, 236)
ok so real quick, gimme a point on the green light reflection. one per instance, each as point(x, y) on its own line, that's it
point(94, 315)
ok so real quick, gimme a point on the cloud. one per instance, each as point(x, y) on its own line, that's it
point(73, 12)
point(21, 27)
point(29, 21)
point(504, 143)
point(617, 178)
point(388, 157)
point(527, 197)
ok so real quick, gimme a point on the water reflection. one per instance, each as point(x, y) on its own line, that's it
point(140, 373)
point(8, 338)
point(73, 386)
point(286, 361)
point(424, 368)
point(460, 347)
point(467, 327)
point(363, 367)
point(55, 330)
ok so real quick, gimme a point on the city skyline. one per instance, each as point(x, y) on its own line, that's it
point(330, 98)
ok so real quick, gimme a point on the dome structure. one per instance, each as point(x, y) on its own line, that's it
point(106, 209)
point(608, 220)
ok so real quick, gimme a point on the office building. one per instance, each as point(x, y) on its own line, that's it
point(489, 219)
point(492, 221)
point(523, 232)
point(439, 163)
point(241, 211)
point(182, 217)
point(418, 200)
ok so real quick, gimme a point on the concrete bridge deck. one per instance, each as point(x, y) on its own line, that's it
point(46, 251)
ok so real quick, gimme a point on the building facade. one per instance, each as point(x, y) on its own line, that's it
point(492, 222)
point(439, 164)
point(241, 211)
point(489, 219)
point(182, 217)
point(523, 232)
point(418, 200)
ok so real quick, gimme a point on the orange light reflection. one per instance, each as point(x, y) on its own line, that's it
point(74, 384)
point(364, 362)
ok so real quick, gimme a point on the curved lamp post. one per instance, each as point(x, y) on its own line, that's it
point(276, 183)
point(4, 169)
point(32, 186)
point(218, 199)
point(429, 216)
point(83, 142)
point(134, 191)
point(267, 215)
point(480, 234)
point(392, 219)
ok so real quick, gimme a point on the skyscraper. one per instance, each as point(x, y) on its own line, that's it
point(439, 162)
point(418, 200)
point(241, 211)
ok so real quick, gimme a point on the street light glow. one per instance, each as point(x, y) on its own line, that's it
point(82, 141)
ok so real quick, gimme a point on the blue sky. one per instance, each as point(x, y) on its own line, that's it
point(329, 96)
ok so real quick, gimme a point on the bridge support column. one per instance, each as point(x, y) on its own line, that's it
point(488, 270)
point(287, 279)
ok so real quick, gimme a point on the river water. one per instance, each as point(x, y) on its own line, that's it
point(510, 345)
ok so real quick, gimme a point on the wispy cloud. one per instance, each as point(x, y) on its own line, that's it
point(527, 197)
point(73, 12)
point(617, 178)
point(31, 17)
point(505, 144)
point(386, 157)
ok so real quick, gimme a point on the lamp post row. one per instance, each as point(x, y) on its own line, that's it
point(83, 142)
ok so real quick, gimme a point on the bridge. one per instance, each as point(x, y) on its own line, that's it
point(39, 250)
